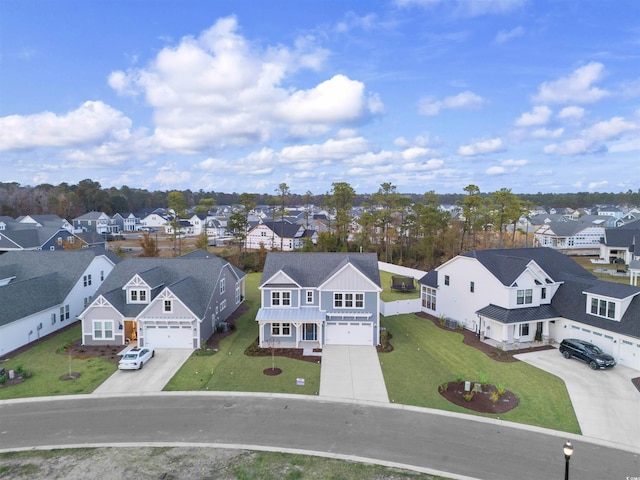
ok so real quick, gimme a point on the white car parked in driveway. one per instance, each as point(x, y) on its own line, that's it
point(135, 358)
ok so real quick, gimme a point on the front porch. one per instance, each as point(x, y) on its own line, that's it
point(513, 347)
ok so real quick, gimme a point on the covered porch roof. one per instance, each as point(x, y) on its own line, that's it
point(290, 315)
point(518, 315)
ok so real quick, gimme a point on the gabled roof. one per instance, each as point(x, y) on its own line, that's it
point(283, 229)
point(310, 270)
point(43, 279)
point(31, 237)
point(192, 278)
point(508, 264)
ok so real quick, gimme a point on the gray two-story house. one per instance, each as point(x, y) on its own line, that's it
point(312, 299)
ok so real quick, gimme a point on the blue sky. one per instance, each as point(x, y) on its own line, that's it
point(240, 96)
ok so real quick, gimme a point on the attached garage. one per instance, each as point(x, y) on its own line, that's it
point(349, 333)
point(630, 354)
point(169, 336)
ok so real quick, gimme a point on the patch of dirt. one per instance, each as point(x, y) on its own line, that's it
point(636, 383)
point(254, 350)
point(481, 401)
point(272, 371)
point(471, 339)
point(70, 376)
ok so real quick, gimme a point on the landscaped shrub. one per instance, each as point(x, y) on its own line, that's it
point(468, 396)
point(495, 396)
point(3, 379)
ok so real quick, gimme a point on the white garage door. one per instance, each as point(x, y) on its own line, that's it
point(630, 354)
point(168, 337)
point(349, 333)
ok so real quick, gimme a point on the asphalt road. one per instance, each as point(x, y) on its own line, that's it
point(424, 439)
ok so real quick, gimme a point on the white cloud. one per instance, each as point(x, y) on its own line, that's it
point(218, 90)
point(504, 36)
point(597, 185)
point(414, 153)
point(539, 116)
point(495, 170)
point(514, 163)
point(609, 129)
point(546, 133)
point(470, 8)
point(90, 123)
point(481, 148)
point(571, 112)
point(574, 88)
point(465, 100)
point(591, 140)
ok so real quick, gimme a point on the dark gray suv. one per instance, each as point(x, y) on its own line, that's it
point(587, 352)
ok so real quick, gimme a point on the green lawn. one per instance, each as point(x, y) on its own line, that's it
point(231, 370)
point(426, 356)
point(47, 366)
point(389, 295)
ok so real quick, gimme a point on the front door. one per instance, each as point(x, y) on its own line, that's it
point(310, 332)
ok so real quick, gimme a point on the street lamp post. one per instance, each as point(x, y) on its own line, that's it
point(568, 451)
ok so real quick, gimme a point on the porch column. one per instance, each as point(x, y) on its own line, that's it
point(545, 332)
point(505, 337)
point(516, 336)
point(260, 333)
point(297, 325)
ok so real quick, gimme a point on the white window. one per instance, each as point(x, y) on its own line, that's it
point(348, 300)
point(524, 329)
point(280, 329)
point(137, 296)
point(222, 285)
point(237, 293)
point(603, 308)
point(429, 298)
point(53, 319)
point(86, 280)
point(309, 296)
point(103, 329)
point(525, 296)
point(64, 313)
point(223, 304)
point(281, 299)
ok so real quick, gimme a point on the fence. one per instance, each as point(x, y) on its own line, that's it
point(400, 306)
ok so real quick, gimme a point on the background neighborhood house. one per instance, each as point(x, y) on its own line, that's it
point(164, 302)
point(312, 299)
point(42, 292)
point(514, 296)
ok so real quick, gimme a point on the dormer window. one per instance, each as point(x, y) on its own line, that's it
point(137, 295)
point(603, 308)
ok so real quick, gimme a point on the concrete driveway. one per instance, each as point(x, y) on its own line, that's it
point(151, 378)
point(605, 401)
point(353, 373)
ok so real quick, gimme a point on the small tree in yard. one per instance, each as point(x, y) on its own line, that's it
point(272, 344)
point(149, 246)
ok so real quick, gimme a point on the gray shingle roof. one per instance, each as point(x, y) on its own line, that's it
point(313, 269)
point(508, 264)
point(518, 315)
point(43, 279)
point(192, 278)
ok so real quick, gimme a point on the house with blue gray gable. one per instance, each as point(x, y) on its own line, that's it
point(313, 299)
point(43, 291)
point(164, 302)
point(513, 297)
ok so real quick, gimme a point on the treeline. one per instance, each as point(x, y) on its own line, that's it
point(69, 200)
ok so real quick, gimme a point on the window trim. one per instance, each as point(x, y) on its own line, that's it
point(281, 298)
point(349, 300)
point(278, 329)
point(103, 329)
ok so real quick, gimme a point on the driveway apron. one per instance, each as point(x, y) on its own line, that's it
point(151, 378)
point(352, 373)
point(606, 403)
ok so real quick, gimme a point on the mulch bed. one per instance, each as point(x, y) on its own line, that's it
point(272, 371)
point(481, 401)
point(254, 350)
point(470, 338)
